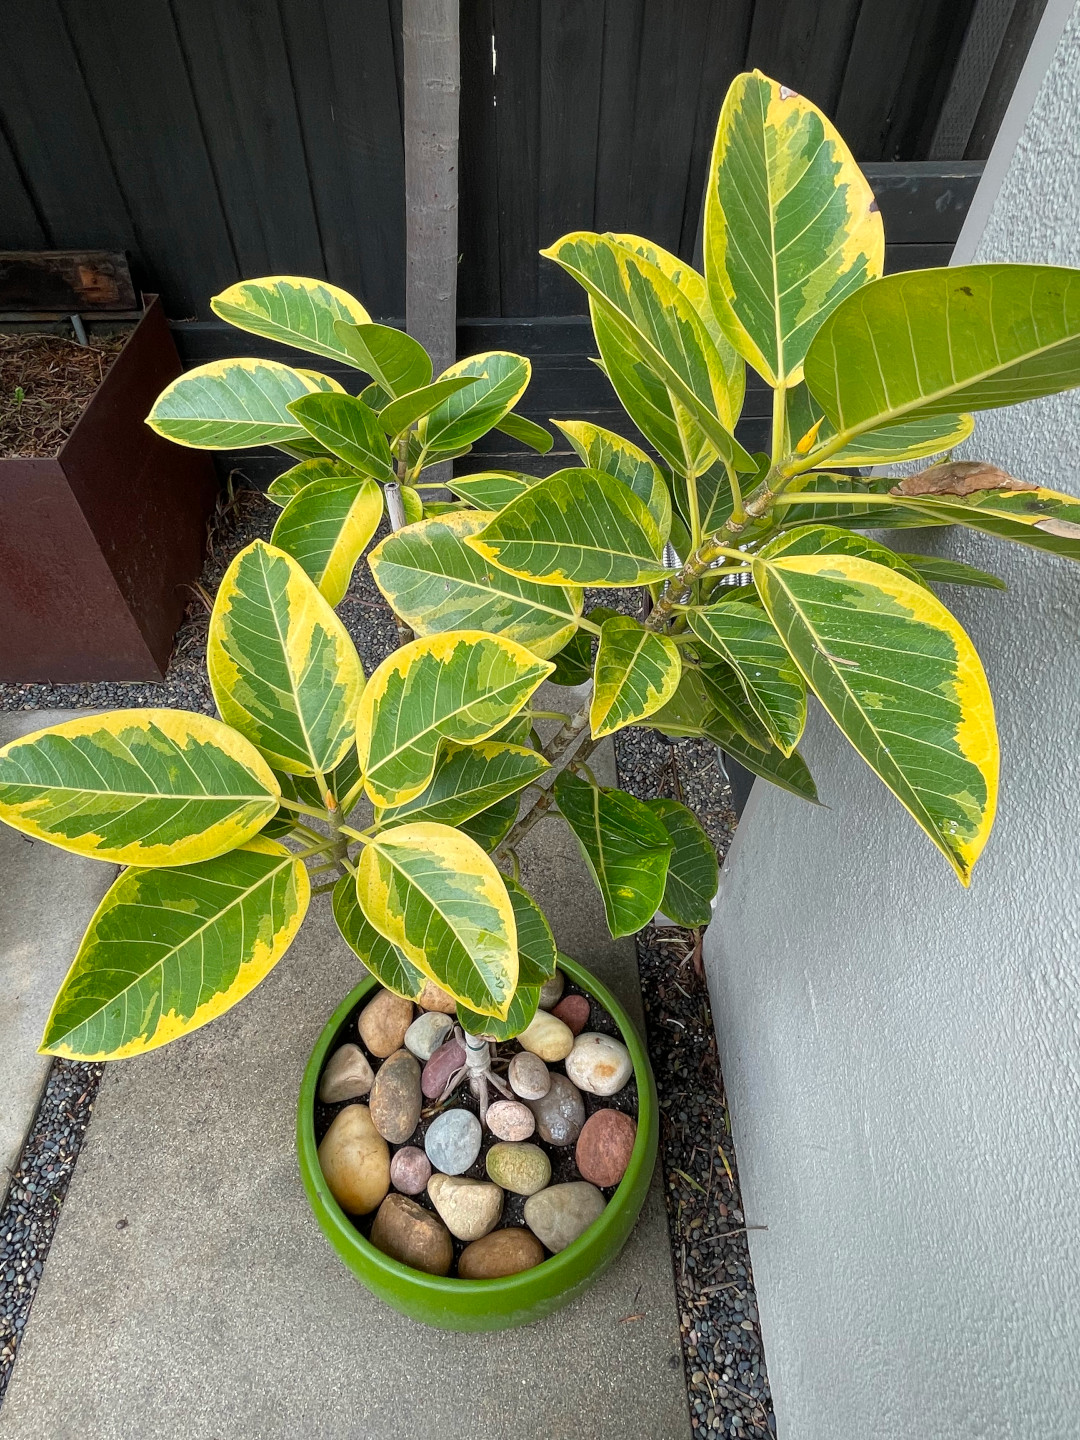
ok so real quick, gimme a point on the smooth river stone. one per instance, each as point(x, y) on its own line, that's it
point(599, 1063)
point(410, 1170)
point(573, 1011)
point(560, 1113)
point(453, 1142)
point(547, 1037)
point(551, 990)
point(433, 997)
point(604, 1147)
point(520, 1167)
point(395, 1099)
point(559, 1214)
point(510, 1120)
point(427, 1033)
point(347, 1075)
point(448, 1059)
point(470, 1208)
point(528, 1075)
point(408, 1232)
point(383, 1022)
point(355, 1160)
point(503, 1252)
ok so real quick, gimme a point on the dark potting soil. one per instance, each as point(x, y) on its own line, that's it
point(563, 1167)
point(46, 382)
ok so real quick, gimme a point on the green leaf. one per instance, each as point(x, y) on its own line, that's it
point(651, 314)
point(952, 572)
point(234, 404)
point(693, 872)
point(348, 428)
point(282, 667)
point(573, 663)
point(501, 381)
point(402, 413)
point(744, 637)
point(601, 449)
point(384, 960)
point(467, 780)
point(909, 440)
point(434, 893)
point(462, 686)
point(869, 506)
point(537, 952)
point(492, 489)
point(491, 826)
point(791, 225)
point(789, 772)
point(578, 527)
point(1043, 519)
point(526, 432)
point(293, 310)
point(395, 361)
point(168, 950)
point(289, 484)
point(641, 393)
point(412, 504)
point(625, 846)
point(433, 579)
point(523, 1008)
point(902, 681)
point(687, 712)
point(833, 540)
point(725, 691)
point(326, 529)
point(937, 342)
point(138, 787)
point(637, 672)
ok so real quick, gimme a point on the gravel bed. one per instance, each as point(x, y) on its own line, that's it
point(32, 1207)
point(725, 1368)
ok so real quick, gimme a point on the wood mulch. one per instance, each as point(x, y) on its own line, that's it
point(45, 384)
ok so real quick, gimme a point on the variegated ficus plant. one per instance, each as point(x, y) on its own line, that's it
point(755, 584)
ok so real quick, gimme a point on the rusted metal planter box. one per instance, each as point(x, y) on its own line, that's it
point(98, 543)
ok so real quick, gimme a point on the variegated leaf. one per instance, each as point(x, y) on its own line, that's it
point(490, 827)
point(282, 667)
point(941, 571)
point(537, 957)
point(384, 960)
point(1043, 519)
point(168, 950)
point(326, 529)
point(693, 873)
point(138, 787)
point(642, 394)
point(349, 429)
point(492, 489)
point(791, 225)
point(808, 430)
point(834, 540)
point(744, 637)
point(395, 361)
point(501, 380)
point(434, 893)
point(294, 310)
point(601, 449)
point(436, 582)
point(467, 780)
point(407, 409)
point(289, 484)
point(526, 432)
point(637, 671)
point(861, 504)
point(234, 404)
point(462, 686)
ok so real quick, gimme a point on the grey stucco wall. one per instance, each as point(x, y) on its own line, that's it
point(902, 1057)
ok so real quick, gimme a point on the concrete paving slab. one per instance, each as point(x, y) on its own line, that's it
point(48, 899)
point(189, 1292)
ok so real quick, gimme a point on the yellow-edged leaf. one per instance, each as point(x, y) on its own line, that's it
point(292, 309)
point(234, 404)
point(601, 449)
point(637, 672)
point(326, 528)
point(289, 484)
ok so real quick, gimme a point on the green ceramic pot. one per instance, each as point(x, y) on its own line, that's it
point(519, 1299)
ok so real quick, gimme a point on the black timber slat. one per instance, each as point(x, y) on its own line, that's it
point(22, 228)
point(804, 45)
point(478, 166)
point(517, 126)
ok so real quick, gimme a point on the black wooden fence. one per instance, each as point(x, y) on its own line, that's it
point(215, 140)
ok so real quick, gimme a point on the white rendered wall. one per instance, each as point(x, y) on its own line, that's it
point(902, 1057)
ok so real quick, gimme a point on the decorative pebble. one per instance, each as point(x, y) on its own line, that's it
point(470, 1208)
point(355, 1160)
point(411, 1234)
point(383, 1022)
point(528, 1075)
point(604, 1147)
point(503, 1252)
point(551, 990)
point(560, 1113)
point(453, 1142)
point(547, 1037)
point(522, 1168)
point(434, 998)
point(395, 1100)
point(599, 1063)
point(442, 1065)
point(559, 1214)
point(573, 1011)
point(427, 1033)
point(510, 1120)
point(347, 1075)
point(410, 1170)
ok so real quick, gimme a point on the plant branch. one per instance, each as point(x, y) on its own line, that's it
point(567, 744)
point(302, 809)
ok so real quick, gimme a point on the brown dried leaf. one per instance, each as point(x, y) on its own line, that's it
point(959, 477)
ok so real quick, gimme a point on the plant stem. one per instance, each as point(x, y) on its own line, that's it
point(779, 416)
point(695, 509)
point(302, 809)
point(558, 753)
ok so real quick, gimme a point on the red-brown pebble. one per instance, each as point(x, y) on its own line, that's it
point(604, 1147)
point(573, 1011)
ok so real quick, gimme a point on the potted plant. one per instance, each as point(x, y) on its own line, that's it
point(102, 524)
point(763, 590)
